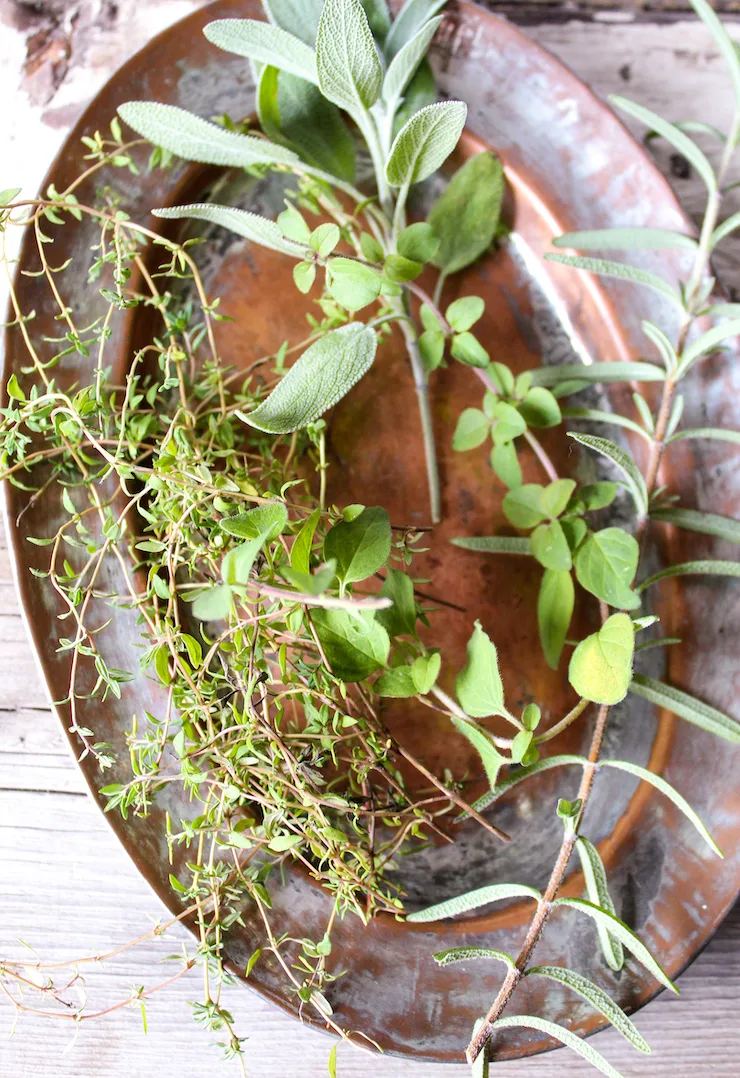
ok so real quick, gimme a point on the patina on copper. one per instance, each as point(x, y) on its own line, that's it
point(570, 164)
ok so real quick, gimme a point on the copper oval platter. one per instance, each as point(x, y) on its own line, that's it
point(570, 164)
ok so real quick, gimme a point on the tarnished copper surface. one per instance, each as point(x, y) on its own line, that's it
point(570, 164)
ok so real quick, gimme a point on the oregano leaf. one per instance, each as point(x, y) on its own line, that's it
point(360, 546)
point(356, 645)
point(606, 563)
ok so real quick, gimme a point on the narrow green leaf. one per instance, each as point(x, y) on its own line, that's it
point(471, 900)
point(693, 568)
point(663, 343)
point(565, 1036)
point(598, 998)
point(298, 17)
point(726, 228)
point(523, 773)
point(633, 479)
point(605, 268)
point(410, 19)
point(258, 229)
point(355, 644)
point(695, 521)
point(468, 954)
point(493, 544)
point(672, 134)
point(665, 788)
point(332, 1062)
point(597, 889)
point(478, 686)
point(349, 70)
point(613, 419)
point(601, 666)
point(300, 552)
point(727, 46)
point(686, 707)
point(623, 933)
point(265, 43)
point(708, 342)
point(403, 66)
point(597, 372)
point(480, 739)
point(606, 563)
point(718, 433)
point(466, 214)
point(554, 611)
point(425, 142)
point(399, 619)
point(194, 139)
point(360, 546)
point(317, 380)
point(625, 239)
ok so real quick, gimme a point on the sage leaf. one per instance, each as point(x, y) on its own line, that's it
point(298, 17)
point(623, 933)
point(378, 17)
point(425, 142)
point(513, 779)
point(554, 612)
point(597, 889)
point(601, 666)
point(300, 552)
point(480, 739)
point(348, 67)
point(404, 64)
point(606, 563)
point(550, 547)
point(352, 284)
point(471, 900)
point(360, 546)
point(613, 419)
point(264, 522)
point(324, 374)
point(597, 372)
point(605, 268)
point(686, 707)
point(718, 433)
point(539, 408)
point(473, 428)
point(695, 521)
point(265, 43)
point(479, 689)
point(194, 139)
point(420, 92)
point(626, 239)
point(466, 215)
point(399, 619)
point(493, 544)
point(410, 19)
point(598, 998)
point(693, 568)
point(523, 507)
point(258, 229)
point(633, 480)
point(467, 954)
point(670, 792)
point(672, 134)
point(565, 1036)
point(356, 645)
point(708, 342)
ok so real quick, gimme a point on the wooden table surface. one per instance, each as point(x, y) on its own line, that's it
point(66, 886)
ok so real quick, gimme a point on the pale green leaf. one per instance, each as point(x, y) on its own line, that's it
point(349, 70)
point(480, 739)
point(539, 408)
point(513, 779)
point(550, 546)
point(708, 342)
point(425, 671)
point(404, 64)
point(425, 142)
point(466, 214)
point(397, 683)
point(505, 464)
point(468, 954)
point(672, 134)
point(625, 239)
point(633, 479)
point(410, 19)
point(565, 1036)
point(264, 522)
point(597, 889)
point(693, 568)
point(605, 268)
point(727, 46)
point(606, 563)
point(523, 507)
point(471, 900)
point(665, 788)
point(706, 523)
point(726, 228)
point(237, 563)
point(598, 998)
point(554, 611)
point(478, 686)
point(597, 372)
point(613, 419)
point(258, 229)
point(623, 933)
point(212, 604)
point(352, 284)
point(317, 380)
point(356, 645)
point(463, 313)
point(720, 434)
point(601, 666)
point(686, 707)
point(265, 43)
point(194, 139)
point(663, 343)
point(493, 544)
point(473, 428)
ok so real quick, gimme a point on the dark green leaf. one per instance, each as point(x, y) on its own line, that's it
point(466, 215)
point(400, 269)
point(300, 553)
point(355, 644)
point(418, 242)
point(706, 523)
point(606, 563)
point(360, 546)
point(480, 739)
point(399, 619)
point(396, 683)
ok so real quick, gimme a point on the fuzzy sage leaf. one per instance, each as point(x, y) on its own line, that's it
point(425, 142)
point(560, 1033)
point(349, 71)
point(597, 889)
point(471, 900)
point(265, 43)
point(252, 226)
point(686, 707)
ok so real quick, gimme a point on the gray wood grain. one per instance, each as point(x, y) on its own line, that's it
point(66, 886)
